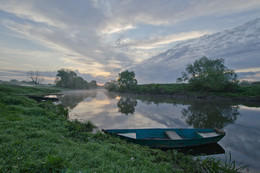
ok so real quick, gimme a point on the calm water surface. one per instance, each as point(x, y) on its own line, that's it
point(240, 120)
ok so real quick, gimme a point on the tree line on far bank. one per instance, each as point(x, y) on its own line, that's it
point(65, 78)
point(207, 75)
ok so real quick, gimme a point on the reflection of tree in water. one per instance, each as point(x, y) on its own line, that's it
point(110, 95)
point(126, 105)
point(205, 114)
point(72, 98)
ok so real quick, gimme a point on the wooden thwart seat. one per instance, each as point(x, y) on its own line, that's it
point(173, 135)
point(130, 135)
point(207, 134)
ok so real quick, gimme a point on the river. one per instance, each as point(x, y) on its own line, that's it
point(109, 110)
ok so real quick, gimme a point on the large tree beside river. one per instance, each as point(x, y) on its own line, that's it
point(209, 75)
point(126, 80)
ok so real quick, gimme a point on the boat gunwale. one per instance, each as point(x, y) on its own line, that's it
point(165, 139)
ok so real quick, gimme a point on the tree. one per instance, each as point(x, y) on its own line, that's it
point(69, 79)
point(15, 81)
point(111, 86)
point(35, 76)
point(65, 77)
point(209, 75)
point(93, 84)
point(79, 83)
point(126, 80)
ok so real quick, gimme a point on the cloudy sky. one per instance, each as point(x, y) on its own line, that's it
point(99, 38)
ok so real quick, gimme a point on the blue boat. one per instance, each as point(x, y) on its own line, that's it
point(169, 137)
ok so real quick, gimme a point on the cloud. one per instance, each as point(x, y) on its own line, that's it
point(159, 41)
point(82, 34)
point(21, 59)
point(54, 13)
point(114, 29)
point(167, 12)
point(71, 33)
point(249, 76)
point(85, 51)
point(255, 69)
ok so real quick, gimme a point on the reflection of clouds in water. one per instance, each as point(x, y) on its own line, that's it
point(109, 117)
point(141, 121)
point(94, 111)
point(73, 97)
point(165, 114)
point(90, 107)
point(249, 117)
point(103, 112)
point(242, 138)
point(238, 133)
point(244, 144)
point(103, 109)
point(242, 107)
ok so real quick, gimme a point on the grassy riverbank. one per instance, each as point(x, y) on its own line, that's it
point(37, 137)
point(248, 91)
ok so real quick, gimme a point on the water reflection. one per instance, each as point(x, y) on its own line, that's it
point(126, 105)
point(72, 98)
point(210, 114)
point(209, 149)
point(240, 120)
point(197, 113)
point(110, 95)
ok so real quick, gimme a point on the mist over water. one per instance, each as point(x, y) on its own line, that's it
point(114, 111)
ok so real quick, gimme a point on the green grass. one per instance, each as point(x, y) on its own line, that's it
point(250, 90)
point(18, 90)
point(37, 137)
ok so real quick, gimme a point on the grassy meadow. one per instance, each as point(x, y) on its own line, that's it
point(38, 137)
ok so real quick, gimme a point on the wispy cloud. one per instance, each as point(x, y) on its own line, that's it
point(159, 41)
point(254, 69)
point(115, 29)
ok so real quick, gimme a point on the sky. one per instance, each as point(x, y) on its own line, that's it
point(99, 38)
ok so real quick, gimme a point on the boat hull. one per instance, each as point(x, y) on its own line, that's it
point(156, 138)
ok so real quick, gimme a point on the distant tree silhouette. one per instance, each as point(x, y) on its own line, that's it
point(35, 76)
